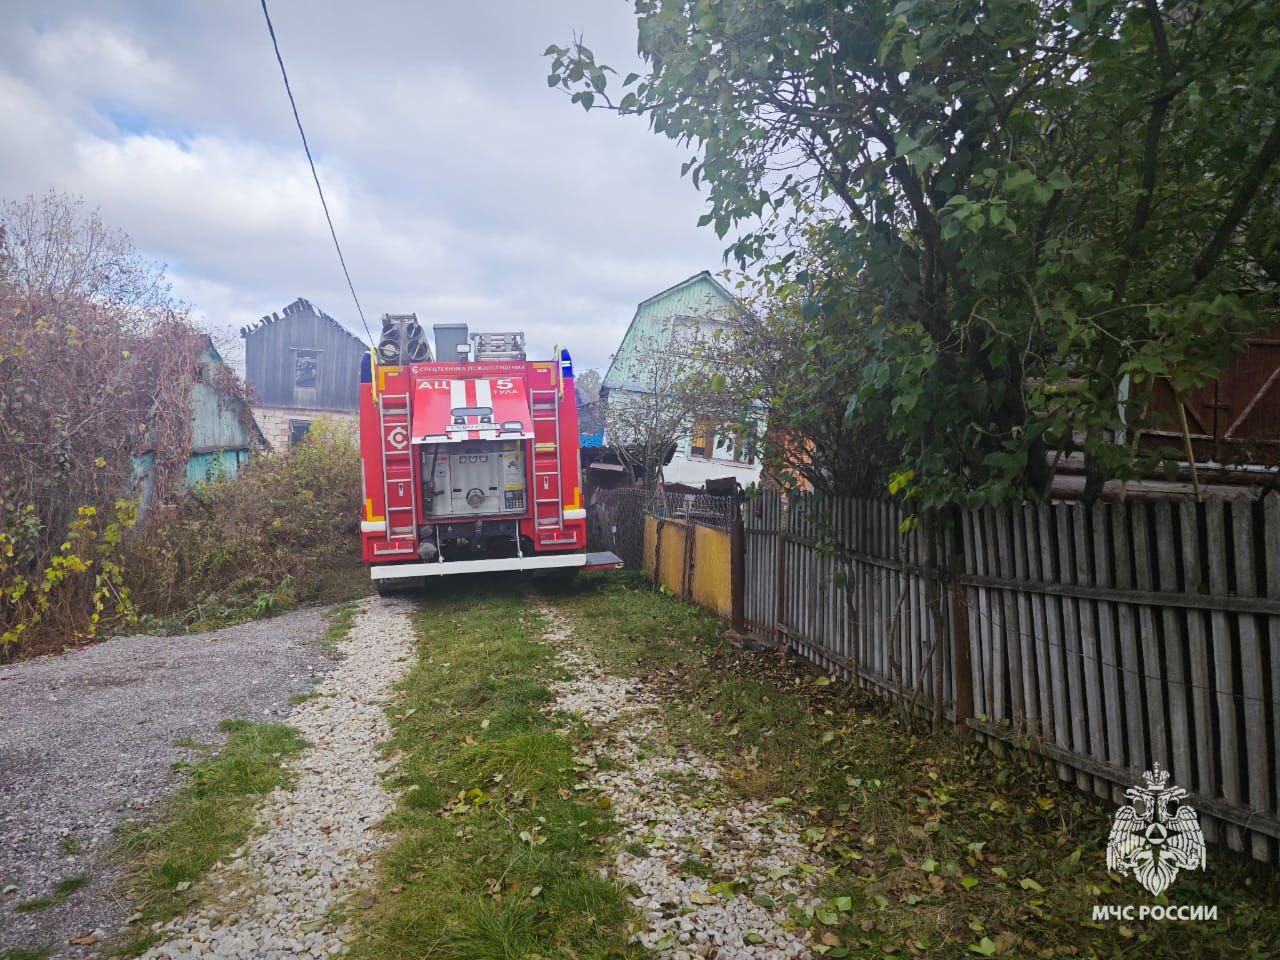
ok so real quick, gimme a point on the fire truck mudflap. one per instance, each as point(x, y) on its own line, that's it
point(469, 463)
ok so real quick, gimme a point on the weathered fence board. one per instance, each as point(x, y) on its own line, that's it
point(1201, 679)
point(1107, 637)
point(1175, 650)
point(1223, 678)
point(1271, 550)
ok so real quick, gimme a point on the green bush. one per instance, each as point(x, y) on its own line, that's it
point(285, 530)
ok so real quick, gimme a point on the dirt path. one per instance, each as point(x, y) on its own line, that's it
point(718, 876)
point(89, 739)
point(282, 893)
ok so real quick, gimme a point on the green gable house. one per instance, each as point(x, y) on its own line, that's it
point(223, 432)
point(698, 306)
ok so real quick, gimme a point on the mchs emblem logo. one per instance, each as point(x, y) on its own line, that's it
point(1156, 835)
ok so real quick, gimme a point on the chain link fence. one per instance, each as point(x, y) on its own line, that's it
point(615, 521)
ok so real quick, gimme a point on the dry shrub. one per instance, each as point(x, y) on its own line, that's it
point(96, 365)
point(285, 530)
point(97, 361)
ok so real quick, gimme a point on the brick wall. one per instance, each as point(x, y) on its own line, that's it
point(276, 422)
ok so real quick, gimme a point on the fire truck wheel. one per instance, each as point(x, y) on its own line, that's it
point(396, 588)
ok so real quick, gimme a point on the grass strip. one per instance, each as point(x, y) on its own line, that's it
point(341, 619)
point(494, 854)
point(63, 889)
point(934, 845)
point(210, 815)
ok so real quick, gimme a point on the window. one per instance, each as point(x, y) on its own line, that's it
point(734, 445)
point(297, 431)
point(702, 443)
point(306, 365)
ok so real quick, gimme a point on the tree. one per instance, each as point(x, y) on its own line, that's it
point(790, 371)
point(646, 421)
point(96, 365)
point(671, 394)
point(1024, 211)
point(53, 251)
point(586, 386)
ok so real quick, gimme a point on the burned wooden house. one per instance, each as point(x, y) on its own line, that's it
point(301, 365)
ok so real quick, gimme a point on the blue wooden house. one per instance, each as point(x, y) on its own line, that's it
point(223, 432)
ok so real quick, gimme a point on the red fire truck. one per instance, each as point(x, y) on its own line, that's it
point(469, 461)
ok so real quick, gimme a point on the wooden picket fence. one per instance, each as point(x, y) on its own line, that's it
point(1105, 638)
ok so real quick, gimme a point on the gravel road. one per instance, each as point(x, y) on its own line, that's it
point(275, 897)
point(88, 740)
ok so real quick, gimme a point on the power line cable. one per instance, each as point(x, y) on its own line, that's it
point(315, 176)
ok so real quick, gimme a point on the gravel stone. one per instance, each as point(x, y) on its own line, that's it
point(88, 739)
point(317, 839)
point(677, 808)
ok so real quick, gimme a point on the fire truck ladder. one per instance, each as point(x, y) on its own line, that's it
point(548, 506)
point(397, 465)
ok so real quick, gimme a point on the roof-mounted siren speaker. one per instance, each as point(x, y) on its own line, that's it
point(417, 347)
point(452, 343)
point(402, 340)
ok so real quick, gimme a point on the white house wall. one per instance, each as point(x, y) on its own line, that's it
point(695, 471)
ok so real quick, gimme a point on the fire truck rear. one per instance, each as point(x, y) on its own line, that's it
point(469, 460)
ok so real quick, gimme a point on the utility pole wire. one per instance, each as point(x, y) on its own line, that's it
point(315, 176)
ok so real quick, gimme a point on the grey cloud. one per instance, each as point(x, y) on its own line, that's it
point(463, 188)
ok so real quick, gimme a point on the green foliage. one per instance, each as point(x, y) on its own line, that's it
point(283, 531)
point(1017, 217)
point(208, 818)
point(76, 588)
point(494, 856)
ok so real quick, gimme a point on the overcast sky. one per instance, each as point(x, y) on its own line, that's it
point(463, 189)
